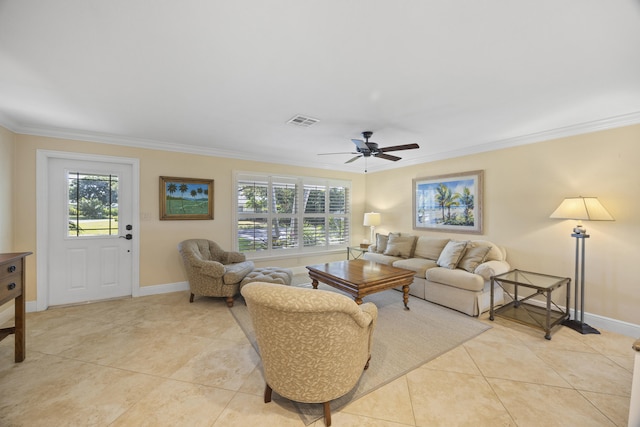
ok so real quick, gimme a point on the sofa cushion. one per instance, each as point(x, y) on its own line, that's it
point(457, 278)
point(419, 265)
point(380, 258)
point(430, 248)
point(473, 256)
point(451, 254)
point(401, 246)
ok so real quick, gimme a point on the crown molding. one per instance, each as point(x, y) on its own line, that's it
point(561, 132)
point(547, 135)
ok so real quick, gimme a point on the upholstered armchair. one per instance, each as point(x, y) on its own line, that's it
point(314, 344)
point(212, 271)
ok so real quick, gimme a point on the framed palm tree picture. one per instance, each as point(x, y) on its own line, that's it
point(186, 198)
point(450, 202)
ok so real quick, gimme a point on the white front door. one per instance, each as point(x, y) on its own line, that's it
point(89, 230)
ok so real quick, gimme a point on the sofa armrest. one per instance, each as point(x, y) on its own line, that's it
point(492, 268)
point(372, 248)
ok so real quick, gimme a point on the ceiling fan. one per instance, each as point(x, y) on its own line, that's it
point(371, 149)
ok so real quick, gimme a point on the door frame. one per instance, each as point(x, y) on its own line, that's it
point(42, 223)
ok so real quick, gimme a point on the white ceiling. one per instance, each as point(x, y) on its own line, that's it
point(223, 77)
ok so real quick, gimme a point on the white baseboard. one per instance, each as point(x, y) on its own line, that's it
point(163, 289)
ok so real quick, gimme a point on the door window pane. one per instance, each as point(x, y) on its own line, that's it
point(92, 204)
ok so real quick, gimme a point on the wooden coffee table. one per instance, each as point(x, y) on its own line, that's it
point(360, 278)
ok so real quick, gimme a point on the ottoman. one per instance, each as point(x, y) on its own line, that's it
point(279, 275)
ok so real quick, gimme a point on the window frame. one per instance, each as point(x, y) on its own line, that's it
point(298, 215)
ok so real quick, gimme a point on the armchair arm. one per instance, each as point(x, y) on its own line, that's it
point(369, 309)
point(365, 315)
point(229, 257)
point(211, 268)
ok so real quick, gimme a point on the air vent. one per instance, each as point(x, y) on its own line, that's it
point(303, 121)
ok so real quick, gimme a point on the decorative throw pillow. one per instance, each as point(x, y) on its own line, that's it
point(451, 254)
point(473, 257)
point(381, 242)
point(400, 245)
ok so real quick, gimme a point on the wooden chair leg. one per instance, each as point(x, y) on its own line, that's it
point(327, 414)
point(229, 301)
point(191, 298)
point(267, 394)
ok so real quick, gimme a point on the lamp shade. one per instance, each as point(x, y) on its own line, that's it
point(582, 208)
point(372, 219)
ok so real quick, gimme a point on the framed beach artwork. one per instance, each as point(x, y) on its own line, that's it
point(186, 198)
point(451, 203)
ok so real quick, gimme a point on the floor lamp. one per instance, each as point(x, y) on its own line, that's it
point(372, 219)
point(580, 209)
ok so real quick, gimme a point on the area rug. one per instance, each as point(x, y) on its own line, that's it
point(403, 341)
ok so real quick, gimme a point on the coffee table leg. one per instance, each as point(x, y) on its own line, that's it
point(314, 283)
point(405, 296)
point(358, 300)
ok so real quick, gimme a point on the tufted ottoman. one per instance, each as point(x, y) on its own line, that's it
point(279, 275)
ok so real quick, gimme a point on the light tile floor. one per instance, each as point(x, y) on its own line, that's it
point(160, 361)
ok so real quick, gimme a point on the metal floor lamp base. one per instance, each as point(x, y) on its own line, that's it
point(575, 324)
point(583, 328)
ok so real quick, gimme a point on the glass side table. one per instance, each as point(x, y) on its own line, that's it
point(355, 252)
point(545, 314)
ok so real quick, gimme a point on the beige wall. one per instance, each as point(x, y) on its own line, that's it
point(6, 184)
point(159, 259)
point(523, 185)
point(7, 206)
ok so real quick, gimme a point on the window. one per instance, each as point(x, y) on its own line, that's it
point(92, 204)
point(278, 214)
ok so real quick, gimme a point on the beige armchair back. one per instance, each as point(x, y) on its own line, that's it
point(212, 271)
point(314, 344)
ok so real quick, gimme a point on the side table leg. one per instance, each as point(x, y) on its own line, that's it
point(493, 282)
point(20, 316)
point(405, 296)
point(548, 325)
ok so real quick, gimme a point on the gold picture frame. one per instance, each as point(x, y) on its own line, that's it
point(186, 198)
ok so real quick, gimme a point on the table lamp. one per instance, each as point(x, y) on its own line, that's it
point(372, 219)
point(580, 209)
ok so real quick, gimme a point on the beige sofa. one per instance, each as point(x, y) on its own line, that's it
point(453, 273)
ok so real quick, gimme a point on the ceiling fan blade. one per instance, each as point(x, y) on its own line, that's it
point(360, 144)
point(353, 159)
point(399, 147)
point(344, 152)
point(387, 157)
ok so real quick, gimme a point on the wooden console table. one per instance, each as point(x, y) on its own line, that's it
point(12, 287)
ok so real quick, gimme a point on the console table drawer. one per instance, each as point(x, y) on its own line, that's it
point(10, 268)
point(10, 287)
